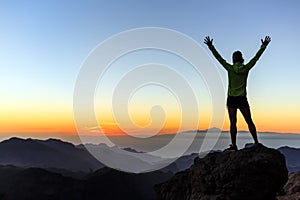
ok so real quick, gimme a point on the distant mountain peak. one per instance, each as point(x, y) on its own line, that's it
point(214, 129)
point(50, 153)
point(55, 140)
point(16, 140)
point(50, 140)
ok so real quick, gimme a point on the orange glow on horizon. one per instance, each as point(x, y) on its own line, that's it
point(63, 123)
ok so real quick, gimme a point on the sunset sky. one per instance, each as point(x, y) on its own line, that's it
point(44, 43)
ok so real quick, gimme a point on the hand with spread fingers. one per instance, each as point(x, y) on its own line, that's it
point(266, 41)
point(208, 41)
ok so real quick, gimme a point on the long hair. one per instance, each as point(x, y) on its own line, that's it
point(237, 56)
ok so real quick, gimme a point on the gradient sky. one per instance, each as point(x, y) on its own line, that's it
point(44, 43)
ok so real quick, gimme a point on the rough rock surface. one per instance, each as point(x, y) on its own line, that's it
point(292, 188)
point(252, 173)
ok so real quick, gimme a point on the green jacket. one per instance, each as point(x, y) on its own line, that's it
point(238, 72)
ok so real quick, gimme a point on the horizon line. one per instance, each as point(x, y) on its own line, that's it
point(64, 136)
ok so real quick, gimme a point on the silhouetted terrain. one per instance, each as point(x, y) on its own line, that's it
point(292, 156)
point(53, 169)
point(64, 157)
point(51, 153)
point(252, 173)
point(182, 163)
point(36, 183)
point(292, 188)
point(59, 155)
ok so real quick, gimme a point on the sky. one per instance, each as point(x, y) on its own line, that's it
point(43, 45)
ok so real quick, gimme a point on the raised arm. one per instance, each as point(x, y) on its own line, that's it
point(221, 60)
point(264, 44)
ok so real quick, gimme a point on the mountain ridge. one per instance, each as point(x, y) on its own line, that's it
point(33, 175)
point(51, 153)
point(39, 153)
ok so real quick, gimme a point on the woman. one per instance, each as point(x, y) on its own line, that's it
point(237, 83)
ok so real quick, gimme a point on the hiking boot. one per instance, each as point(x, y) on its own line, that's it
point(250, 145)
point(231, 148)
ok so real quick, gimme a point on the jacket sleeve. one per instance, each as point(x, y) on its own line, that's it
point(221, 60)
point(252, 62)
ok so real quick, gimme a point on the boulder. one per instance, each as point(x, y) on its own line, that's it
point(256, 173)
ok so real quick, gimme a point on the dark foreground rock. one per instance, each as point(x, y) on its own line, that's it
point(292, 188)
point(254, 173)
point(107, 184)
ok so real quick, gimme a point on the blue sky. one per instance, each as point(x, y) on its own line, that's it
point(44, 43)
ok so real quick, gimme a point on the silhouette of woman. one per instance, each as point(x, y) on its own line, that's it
point(237, 83)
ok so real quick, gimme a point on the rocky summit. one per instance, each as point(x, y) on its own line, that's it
point(256, 173)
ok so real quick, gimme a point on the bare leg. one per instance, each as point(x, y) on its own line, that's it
point(247, 115)
point(233, 129)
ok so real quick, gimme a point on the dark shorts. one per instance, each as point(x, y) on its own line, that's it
point(237, 102)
